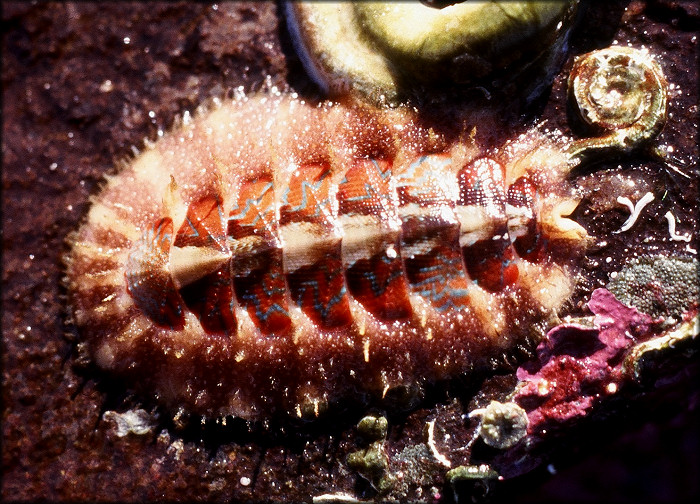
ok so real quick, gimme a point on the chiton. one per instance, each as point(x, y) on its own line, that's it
point(274, 256)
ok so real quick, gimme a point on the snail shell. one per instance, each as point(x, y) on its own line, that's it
point(622, 92)
point(383, 50)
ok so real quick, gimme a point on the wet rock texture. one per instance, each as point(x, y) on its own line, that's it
point(84, 82)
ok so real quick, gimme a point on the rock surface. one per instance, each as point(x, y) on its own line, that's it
point(83, 82)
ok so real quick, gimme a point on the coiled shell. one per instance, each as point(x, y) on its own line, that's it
point(622, 93)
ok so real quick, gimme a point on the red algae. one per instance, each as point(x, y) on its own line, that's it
point(577, 365)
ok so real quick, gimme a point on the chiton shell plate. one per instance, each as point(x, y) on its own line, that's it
point(272, 256)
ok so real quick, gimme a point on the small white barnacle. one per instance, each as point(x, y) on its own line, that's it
point(137, 422)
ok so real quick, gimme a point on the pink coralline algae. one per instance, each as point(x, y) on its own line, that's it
point(577, 365)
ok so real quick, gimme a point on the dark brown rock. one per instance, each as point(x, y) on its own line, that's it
point(83, 82)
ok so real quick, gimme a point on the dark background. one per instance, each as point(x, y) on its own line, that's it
point(84, 82)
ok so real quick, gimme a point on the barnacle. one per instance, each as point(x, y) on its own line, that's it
point(383, 49)
point(502, 424)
